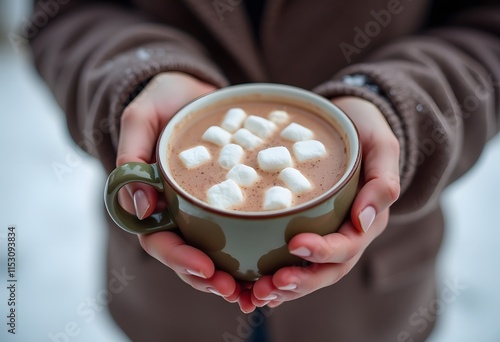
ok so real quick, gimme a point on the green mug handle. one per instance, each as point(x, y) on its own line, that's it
point(135, 172)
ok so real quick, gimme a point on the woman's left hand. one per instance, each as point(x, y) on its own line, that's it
point(334, 255)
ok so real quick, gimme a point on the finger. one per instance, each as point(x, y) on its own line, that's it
point(309, 279)
point(333, 256)
point(233, 298)
point(126, 201)
point(274, 304)
point(382, 185)
point(138, 133)
point(245, 301)
point(141, 124)
point(138, 199)
point(264, 291)
point(220, 284)
point(380, 161)
point(272, 290)
point(290, 283)
point(331, 248)
point(339, 247)
point(182, 88)
point(172, 251)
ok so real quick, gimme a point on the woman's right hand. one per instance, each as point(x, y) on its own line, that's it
point(141, 124)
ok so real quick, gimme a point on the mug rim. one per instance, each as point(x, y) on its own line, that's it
point(248, 89)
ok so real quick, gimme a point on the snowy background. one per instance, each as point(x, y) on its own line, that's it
point(59, 223)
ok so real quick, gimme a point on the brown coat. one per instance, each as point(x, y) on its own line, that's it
point(437, 63)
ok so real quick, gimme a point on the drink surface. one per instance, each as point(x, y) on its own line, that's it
point(322, 172)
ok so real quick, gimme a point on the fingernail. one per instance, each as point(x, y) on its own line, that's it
point(301, 252)
point(246, 311)
point(265, 303)
point(214, 291)
point(291, 286)
point(270, 297)
point(232, 300)
point(366, 218)
point(141, 204)
point(195, 273)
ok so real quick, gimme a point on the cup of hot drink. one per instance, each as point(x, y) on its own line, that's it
point(243, 170)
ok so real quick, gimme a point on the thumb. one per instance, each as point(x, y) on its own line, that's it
point(138, 199)
point(380, 188)
point(139, 131)
point(144, 199)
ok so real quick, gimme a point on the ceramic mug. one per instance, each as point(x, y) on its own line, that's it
point(247, 245)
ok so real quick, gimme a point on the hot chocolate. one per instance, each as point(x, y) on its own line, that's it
point(256, 156)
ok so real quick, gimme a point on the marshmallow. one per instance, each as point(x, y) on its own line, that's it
point(259, 126)
point(277, 197)
point(234, 119)
point(225, 195)
point(309, 150)
point(246, 139)
point(279, 117)
point(295, 180)
point(217, 136)
point(243, 175)
point(195, 156)
point(230, 155)
point(274, 158)
point(295, 132)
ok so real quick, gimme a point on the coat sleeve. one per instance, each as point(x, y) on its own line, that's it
point(440, 92)
point(94, 55)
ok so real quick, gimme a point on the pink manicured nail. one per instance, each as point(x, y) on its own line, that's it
point(301, 252)
point(141, 204)
point(214, 291)
point(366, 218)
point(291, 286)
point(270, 297)
point(195, 273)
